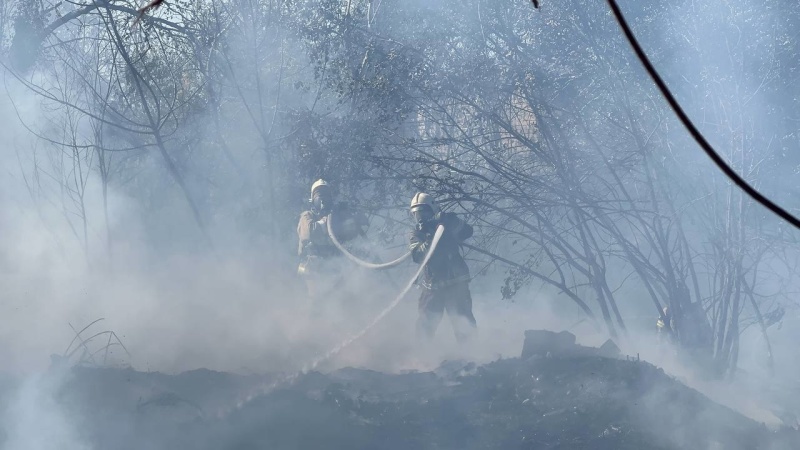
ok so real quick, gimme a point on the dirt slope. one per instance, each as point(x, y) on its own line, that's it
point(553, 402)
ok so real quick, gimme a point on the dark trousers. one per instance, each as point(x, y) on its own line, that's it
point(457, 300)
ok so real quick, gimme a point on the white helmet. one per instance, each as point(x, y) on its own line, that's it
point(318, 184)
point(421, 198)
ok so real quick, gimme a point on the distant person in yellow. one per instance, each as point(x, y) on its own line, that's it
point(666, 326)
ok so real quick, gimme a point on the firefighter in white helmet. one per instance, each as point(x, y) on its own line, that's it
point(666, 326)
point(445, 280)
point(316, 250)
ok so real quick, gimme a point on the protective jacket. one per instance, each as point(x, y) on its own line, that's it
point(666, 327)
point(312, 231)
point(446, 266)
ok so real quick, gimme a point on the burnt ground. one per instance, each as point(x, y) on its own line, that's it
point(542, 402)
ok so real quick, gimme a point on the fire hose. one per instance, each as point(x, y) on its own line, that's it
point(356, 259)
point(352, 338)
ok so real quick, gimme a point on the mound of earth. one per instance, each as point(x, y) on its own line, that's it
point(561, 400)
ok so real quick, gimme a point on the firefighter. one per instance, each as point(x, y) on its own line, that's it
point(319, 257)
point(445, 279)
point(666, 326)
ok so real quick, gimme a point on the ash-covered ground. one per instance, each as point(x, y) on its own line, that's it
point(566, 397)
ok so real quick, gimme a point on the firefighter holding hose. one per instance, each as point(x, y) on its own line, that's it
point(319, 263)
point(445, 279)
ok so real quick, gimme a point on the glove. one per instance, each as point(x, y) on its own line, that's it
point(426, 227)
point(422, 235)
point(323, 223)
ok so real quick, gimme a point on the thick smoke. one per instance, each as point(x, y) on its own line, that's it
point(231, 301)
point(176, 311)
point(33, 418)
